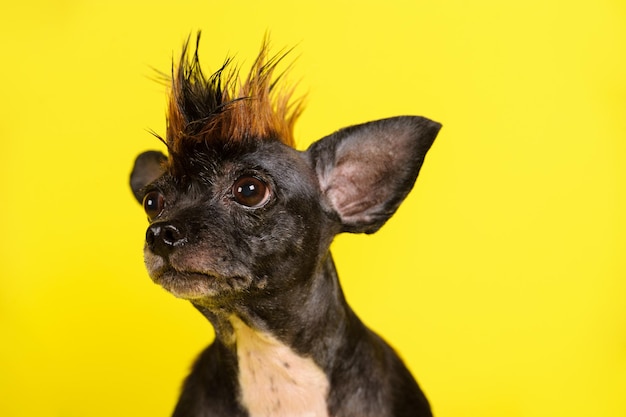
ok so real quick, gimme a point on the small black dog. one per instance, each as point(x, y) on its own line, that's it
point(241, 224)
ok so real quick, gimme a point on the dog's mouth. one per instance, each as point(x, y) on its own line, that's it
point(183, 284)
point(191, 284)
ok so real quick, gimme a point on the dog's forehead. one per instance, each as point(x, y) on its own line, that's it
point(273, 156)
point(210, 164)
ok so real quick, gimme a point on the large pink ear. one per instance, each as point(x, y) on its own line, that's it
point(366, 171)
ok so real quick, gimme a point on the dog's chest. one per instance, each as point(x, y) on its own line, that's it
point(274, 380)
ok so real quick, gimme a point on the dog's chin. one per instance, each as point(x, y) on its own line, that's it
point(187, 285)
point(193, 285)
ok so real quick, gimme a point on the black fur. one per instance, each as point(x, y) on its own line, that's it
point(242, 229)
point(271, 266)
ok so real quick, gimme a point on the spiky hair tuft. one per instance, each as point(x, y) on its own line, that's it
point(224, 109)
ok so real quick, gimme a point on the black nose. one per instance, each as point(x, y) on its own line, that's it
point(162, 238)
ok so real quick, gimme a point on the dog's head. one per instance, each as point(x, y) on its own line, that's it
point(235, 211)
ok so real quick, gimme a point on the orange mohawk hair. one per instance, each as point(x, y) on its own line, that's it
point(226, 110)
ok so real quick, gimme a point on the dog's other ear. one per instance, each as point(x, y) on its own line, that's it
point(366, 171)
point(148, 167)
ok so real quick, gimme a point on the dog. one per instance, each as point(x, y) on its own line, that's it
point(241, 224)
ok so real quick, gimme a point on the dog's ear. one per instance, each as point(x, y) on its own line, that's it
point(366, 171)
point(149, 166)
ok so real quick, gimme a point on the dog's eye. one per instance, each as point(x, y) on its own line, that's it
point(251, 192)
point(153, 204)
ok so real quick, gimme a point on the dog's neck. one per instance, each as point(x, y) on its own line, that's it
point(285, 349)
point(311, 319)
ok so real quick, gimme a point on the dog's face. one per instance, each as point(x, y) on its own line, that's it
point(255, 220)
point(241, 222)
point(235, 211)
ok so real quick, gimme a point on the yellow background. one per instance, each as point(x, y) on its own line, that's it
point(501, 280)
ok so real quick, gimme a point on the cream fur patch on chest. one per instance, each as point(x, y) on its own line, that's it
point(274, 380)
